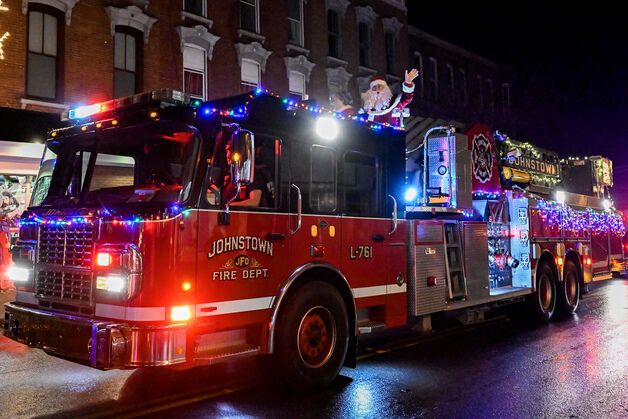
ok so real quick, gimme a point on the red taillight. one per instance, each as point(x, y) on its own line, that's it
point(103, 259)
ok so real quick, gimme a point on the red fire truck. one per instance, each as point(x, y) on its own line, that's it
point(164, 231)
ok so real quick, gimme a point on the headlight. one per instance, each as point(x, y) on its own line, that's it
point(118, 270)
point(112, 283)
point(19, 274)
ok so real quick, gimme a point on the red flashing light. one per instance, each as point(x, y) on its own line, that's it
point(103, 259)
point(587, 261)
point(431, 281)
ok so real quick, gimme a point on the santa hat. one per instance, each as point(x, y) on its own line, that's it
point(378, 80)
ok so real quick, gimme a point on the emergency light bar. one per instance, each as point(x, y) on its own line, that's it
point(165, 97)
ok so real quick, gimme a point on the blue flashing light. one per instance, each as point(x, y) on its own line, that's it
point(411, 194)
point(259, 91)
point(84, 111)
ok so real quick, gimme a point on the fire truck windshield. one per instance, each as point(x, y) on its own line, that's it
point(147, 163)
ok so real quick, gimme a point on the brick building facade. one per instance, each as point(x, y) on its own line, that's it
point(61, 53)
point(58, 54)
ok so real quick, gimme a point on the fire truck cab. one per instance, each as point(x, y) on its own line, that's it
point(136, 249)
point(165, 231)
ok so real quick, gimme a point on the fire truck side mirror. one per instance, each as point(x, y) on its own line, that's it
point(242, 156)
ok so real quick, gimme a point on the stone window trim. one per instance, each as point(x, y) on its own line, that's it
point(198, 36)
point(290, 48)
point(366, 14)
point(191, 16)
point(65, 6)
point(392, 25)
point(364, 83)
point(141, 3)
point(253, 51)
point(131, 16)
point(243, 33)
point(333, 61)
point(300, 64)
point(339, 76)
point(400, 4)
point(369, 72)
point(24, 102)
point(339, 6)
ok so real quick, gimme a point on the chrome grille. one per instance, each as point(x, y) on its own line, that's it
point(65, 286)
point(67, 245)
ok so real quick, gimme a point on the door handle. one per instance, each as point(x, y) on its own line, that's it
point(299, 200)
point(275, 236)
point(394, 215)
point(378, 238)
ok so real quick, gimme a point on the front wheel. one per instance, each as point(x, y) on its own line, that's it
point(569, 290)
point(544, 299)
point(312, 337)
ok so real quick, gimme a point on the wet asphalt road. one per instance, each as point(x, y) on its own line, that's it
point(572, 367)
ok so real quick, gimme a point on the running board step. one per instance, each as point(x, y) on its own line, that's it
point(216, 356)
point(367, 326)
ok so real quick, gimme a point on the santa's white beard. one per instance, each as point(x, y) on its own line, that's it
point(376, 100)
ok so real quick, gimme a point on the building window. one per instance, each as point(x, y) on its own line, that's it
point(433, 79)
point(364, 39)
point(506, 99)
point(43, 50)
point(296, 85)
point(333, 33)
point(489, 93)
point(462, 85)
point(125, 64)
point(196, 7)
point(248, 16)
point(389, 39)
point(194, 71)
point(480, 93)
point(295, 22)
point(250, 73)
point(418, 64)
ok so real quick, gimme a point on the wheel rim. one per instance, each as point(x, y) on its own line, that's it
point(316, 337)
point(545, 293)
point(571, 288)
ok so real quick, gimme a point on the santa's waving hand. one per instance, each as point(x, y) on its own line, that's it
point(379, 102)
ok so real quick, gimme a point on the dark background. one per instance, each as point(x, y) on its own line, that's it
point(569, 66)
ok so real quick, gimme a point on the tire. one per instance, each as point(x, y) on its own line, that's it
point(544, 300)
point(312, 338)
point(569, 288)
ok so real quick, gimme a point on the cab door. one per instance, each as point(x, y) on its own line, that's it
point(373, 241)
point(241, 260)
point(315, 229)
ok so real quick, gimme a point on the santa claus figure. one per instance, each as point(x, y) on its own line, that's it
point(379, 103)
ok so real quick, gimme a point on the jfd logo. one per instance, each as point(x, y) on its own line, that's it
point(241, 261)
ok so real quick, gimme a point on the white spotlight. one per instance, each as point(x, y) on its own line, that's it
point(327, 128)
point(560, 197)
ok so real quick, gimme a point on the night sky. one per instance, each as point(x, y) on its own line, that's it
point(569, 64)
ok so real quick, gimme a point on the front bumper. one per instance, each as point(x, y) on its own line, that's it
point(118, 345)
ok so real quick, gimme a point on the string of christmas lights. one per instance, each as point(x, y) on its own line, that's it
point(578, 222)
point(291, 104)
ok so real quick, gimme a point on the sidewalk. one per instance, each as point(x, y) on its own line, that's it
point(5, 297)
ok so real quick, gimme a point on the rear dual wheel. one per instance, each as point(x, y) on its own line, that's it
point(544, 300)
point(569, 288)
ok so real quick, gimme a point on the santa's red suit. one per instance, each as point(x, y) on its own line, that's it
point(385, 114)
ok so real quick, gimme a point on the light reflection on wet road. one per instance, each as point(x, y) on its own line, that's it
point(571, 367)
